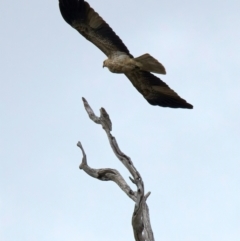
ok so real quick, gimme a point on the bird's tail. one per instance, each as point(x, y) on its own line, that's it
point(147, 63)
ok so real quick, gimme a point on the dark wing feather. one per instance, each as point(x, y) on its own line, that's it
point(155, 91)
point(87, 22)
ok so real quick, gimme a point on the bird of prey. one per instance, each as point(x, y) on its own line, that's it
point(89, 24)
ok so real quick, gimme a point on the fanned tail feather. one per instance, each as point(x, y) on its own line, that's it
point(147, 63)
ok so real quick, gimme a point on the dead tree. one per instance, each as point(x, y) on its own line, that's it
point(140, 219)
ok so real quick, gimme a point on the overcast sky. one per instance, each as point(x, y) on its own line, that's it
point(189, 159)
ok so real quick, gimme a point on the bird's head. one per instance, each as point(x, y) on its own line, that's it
point(104, 63)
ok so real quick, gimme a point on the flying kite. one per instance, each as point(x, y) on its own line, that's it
point(88, 23)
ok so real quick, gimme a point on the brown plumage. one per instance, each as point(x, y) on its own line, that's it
point(88, 23)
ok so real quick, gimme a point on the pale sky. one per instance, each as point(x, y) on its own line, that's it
point(189, 159)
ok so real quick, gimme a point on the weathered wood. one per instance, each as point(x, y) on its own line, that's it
point(140, 220)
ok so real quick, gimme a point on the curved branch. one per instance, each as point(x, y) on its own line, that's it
point(106, 174)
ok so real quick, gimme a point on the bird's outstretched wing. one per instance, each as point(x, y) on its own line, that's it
point(155, 91)
point(87, 22)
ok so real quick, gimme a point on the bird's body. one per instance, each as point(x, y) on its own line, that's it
point(138, 70)
point(120, 63)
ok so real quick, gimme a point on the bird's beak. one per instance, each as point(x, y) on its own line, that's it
point(103, 66)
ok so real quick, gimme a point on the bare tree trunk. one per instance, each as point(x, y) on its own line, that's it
point(140, 219)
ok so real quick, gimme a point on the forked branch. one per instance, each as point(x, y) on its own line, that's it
point(140, 219)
